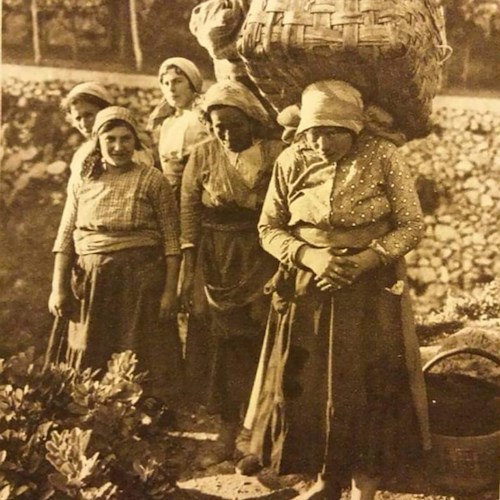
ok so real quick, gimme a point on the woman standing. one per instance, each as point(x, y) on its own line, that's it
point(117, 253)
point(181, 129)
point(342, 393)
point(222, 193)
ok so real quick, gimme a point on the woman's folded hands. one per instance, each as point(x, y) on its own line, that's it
point(333, 272)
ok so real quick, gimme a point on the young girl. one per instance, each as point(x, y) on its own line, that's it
point(181, 129)
point(117, 256)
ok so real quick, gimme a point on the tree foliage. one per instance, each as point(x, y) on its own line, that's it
point(484, 14)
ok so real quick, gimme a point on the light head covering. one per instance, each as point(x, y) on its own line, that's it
point(289, 119)
point(187, 67)
point(237, 95)
point(113, 113)
point(90, 88)
point(92, 166)
point(331, 103)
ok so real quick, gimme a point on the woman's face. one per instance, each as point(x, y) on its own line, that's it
point(232, 127)
point(82, 115)
point(117, 146)
point(177, 89)
point(330, 143)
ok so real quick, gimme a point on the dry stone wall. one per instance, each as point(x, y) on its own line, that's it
point(461, 161)
point(457, 169)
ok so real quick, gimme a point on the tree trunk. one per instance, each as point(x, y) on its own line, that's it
point(135, 35)
point(74, 38)
point(122, 38)
point(466, 63)
point(36, 32)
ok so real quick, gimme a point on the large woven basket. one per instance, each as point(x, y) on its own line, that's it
point(465, 464)
point(391, 50)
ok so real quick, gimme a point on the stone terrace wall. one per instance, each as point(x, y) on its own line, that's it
point(457, 169)
point(458, 172)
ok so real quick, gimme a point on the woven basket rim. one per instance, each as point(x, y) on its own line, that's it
point(482, 437)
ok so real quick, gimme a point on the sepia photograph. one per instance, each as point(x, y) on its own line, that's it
point(250, 249)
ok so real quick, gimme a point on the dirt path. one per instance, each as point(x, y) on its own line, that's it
point(221, 482)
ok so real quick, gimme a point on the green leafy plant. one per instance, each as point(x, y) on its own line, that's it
point(481, 303)
point(79, 434)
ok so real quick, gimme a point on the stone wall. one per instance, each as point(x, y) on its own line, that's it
point(457, 169)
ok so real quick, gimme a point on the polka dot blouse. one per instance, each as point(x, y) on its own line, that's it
point(370, 184)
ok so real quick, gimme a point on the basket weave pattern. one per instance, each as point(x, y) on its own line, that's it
point(388, 49)
point(464, 464)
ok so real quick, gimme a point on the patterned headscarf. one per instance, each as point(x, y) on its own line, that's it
point(237, 95)
point(113, 113)
point(92, 166)
point(331, 103)
point(90, 88)
point(187, 67)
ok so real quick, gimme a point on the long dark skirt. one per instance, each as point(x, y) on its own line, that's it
point(336, 393)
point(119, 299)
point(235, 270)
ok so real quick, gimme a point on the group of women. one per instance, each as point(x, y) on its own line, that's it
point(287, 258)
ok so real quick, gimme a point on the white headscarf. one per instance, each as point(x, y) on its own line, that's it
point(90, 88)
point(187, 67)
point(331, 103)
point(113, 113)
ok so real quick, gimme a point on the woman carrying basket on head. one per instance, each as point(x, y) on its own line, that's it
point(342, 391)
point(117, 256)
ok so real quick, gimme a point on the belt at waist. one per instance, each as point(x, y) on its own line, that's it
point(235, 219)
point(339, 237)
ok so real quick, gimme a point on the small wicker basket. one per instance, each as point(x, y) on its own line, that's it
point(391, 50)
point(464, 465)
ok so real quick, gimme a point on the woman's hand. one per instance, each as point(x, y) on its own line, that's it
point(365, 261)
point(331, 271)
point(60, 303)
point(168, 306)
point(187, 280)
point(61, 297)
point(186, 293)
point(361, 263)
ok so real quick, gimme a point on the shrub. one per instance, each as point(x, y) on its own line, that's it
point(481, 303)
point(77, 434)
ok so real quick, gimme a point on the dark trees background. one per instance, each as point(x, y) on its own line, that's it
point(97, 35)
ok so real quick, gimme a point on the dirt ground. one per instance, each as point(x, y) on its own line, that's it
point(221, 482)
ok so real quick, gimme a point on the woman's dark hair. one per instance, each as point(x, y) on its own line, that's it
point(259, 131)
point(88, 98)
point(111, 124)
point(93, 166)
point(179, 71)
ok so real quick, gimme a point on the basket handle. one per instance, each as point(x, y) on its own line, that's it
point(446, 52)
point(461, 350)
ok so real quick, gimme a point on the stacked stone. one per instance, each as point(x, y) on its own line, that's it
point(460, 160)
point(38, 142)
point(462, 241)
